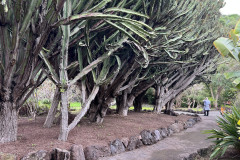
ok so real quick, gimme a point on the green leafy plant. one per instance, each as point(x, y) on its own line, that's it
point(149, 96)
point(228, 134)
point(46, 101)
point(231, 47)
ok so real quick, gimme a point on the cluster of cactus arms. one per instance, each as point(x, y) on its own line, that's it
point(25, 30)
point(88, 47)
point(112, 49)
point(39, 39)
point(180, 52)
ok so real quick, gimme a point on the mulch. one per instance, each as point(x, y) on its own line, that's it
point(32, 136)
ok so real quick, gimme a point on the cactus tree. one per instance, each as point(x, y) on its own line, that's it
point(25, 29)
point(33, 32)
point(91, 38)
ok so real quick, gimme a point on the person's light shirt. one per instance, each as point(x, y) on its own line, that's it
point(207, 104)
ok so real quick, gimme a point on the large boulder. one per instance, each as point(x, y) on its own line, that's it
point(134, 142)
point(117, 147)
point(77, 152)
point(60, 154)
point(147, 137)
point(125, 141)
point(94, 152)
point(170, 131)
point(156, 135)
point(7, 156)
point(192, 156)
point(38, 155)
point(193, 121)
point(180, 125)
point(189, 124)
point(163, 132)
point(197, 118)
point(174, 127)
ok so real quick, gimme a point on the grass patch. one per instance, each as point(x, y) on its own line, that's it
point(77, 106)
point(194, 109)
point(73, 105)
point(132, 108)
point(41, 104)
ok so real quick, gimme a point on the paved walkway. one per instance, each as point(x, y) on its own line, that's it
point(177, 146)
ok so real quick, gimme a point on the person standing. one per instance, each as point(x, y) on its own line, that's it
point(207, 104)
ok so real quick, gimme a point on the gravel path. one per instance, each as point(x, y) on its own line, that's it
point(177, 146)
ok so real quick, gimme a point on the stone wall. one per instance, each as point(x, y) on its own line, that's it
point(145, 137)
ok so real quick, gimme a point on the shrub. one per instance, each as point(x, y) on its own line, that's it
point(46, 101)
point(228, 135)
point(149, 97)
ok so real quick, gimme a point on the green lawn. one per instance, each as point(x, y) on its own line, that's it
point(42, 104)
point(194, 109)
point(77, 106)
point(73, 105)
point(132, 108)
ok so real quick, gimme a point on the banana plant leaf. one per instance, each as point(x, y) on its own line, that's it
point(230, 47)
point(237, 28)
point(235, 74)
point(226, 47)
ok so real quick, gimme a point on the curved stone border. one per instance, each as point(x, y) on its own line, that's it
point(146, 137)
point(190, 110)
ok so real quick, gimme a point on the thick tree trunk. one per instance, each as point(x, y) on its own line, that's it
point(92, 113)
point(127, 105)
point(189, 103)
point(98, 112)
point(65, 128)
point(159, 101)
point(102, 113)
point(159, 106)
point(118, 103)
point(211, 91)
point(8, 122)
point(169, 107)
point(193, 105)
point(137, 103)
point(83, 92)
point(166, 108)
point(52, 112)
point(122, 104)
point(216, 101)
point(219, 90)
point(124, 112)
point(84, 109)
point(64, 122)
point(171, 104)
point(99, 107)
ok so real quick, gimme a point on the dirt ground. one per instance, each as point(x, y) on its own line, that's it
point(32, 136)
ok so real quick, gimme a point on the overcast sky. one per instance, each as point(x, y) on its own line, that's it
point(231, 7)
